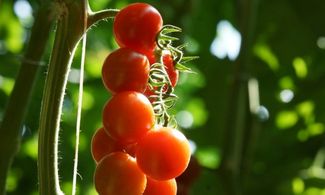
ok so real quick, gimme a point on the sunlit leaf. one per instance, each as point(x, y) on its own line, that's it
point(300, 67)
point(298, 185)
point(306, 109)
point(286, 119)
point(286, 83)
point(198, 110)
point(265, 54)
point(30, 147)
point(208, 157)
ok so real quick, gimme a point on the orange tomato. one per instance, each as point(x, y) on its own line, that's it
point(163, 153)
point(154, 187)
point(128, 116)
point(118, 174)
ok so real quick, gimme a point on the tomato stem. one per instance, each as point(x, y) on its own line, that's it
point(71, 26)
point(101, 15)
point(51, 110)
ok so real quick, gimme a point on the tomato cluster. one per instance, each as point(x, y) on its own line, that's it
point(134, 154)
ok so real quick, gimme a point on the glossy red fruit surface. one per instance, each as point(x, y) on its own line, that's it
point(154, 187)
point(163, 153)
point(118, 174)
point(128, 116)
point(125, 70)
point(136, 26)
point(102, 144)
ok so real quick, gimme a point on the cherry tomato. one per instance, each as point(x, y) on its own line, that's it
point(127, 116)
point(125, 69)
point(151, 57)
point(131, 149)
point(170, 69)
point(136, 26)
point(163, 153)
point(166, 187)
point(118, 173)
point(103, 144)
point(169, 63)
point(172, 73)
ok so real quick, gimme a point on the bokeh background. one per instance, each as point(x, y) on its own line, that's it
point(254, 112)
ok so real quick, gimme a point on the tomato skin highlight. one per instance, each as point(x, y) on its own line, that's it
point(163, 153)
point(118, 173)
point(128, 116)
point(125, 70)
point(136, 26)
point(166, 187)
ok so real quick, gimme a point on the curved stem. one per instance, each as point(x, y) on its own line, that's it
point(101, 15)
point(19, 100)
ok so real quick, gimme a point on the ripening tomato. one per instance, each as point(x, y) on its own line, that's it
point(103, 144)
point(163, 153)
point(136, 26)
point(155, 187)
point(118, 173)
point(125, 70)
point(127, 116)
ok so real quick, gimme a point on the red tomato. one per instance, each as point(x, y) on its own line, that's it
point(131, 149)
point(136, 26)
point(166, 187)
point(125, 69)
point(170, 69)
point(151, 57)
point(128, 116)
point(163, 153)
point(103, 144)
point(172, 73)
point(118, 173)
point(148, 92)
point(169, 63)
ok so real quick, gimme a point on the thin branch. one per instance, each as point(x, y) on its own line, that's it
point(81, 79)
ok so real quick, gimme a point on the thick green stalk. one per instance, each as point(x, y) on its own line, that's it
point(72, 24)
point(10, 129)
point(68, 33)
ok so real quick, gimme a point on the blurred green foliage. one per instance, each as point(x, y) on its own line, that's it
point(287, 58)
